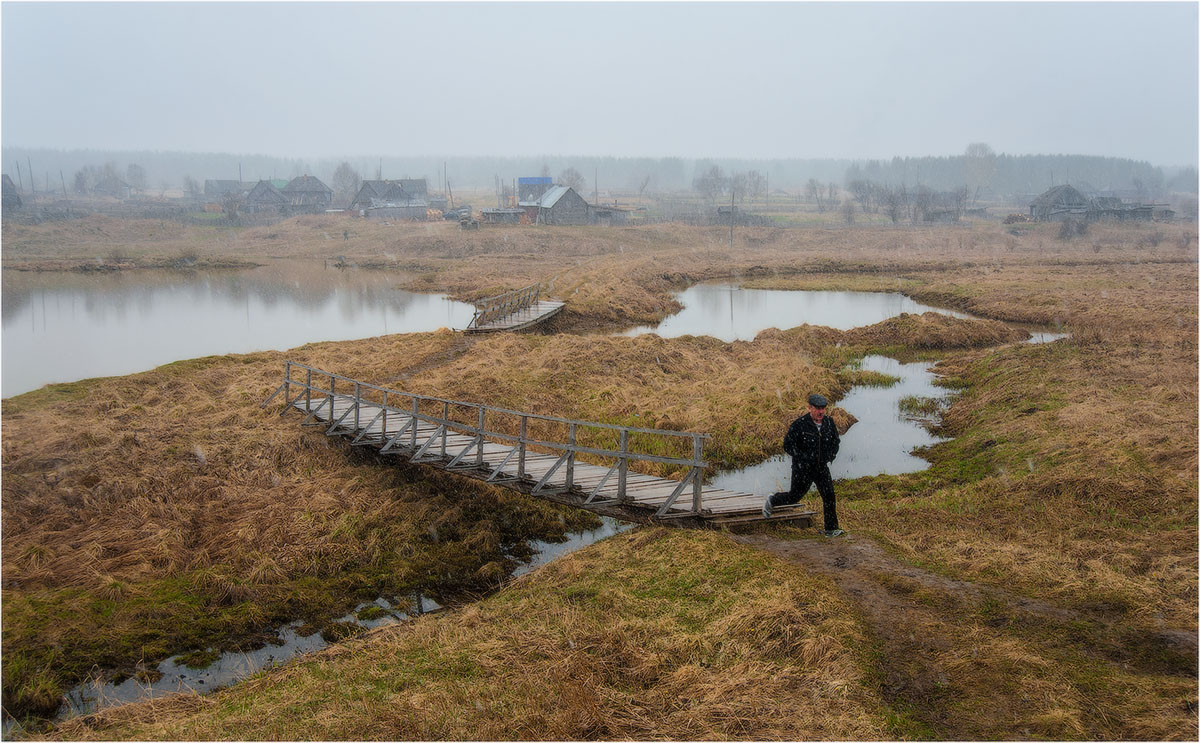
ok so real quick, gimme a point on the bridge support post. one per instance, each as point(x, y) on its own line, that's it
point(479, 440)
point(445, 426)
point(308, 390)
point(623, 470)
point(357, 404)
point(697, 472)
point(521, 444)
point(571, 458)
point(416, 410)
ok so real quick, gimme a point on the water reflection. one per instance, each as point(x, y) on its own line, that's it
point(64, 327)
point(732, 313)
point(881, 442)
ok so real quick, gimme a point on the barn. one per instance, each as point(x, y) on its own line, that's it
point(558, 205)
point(1059, 203)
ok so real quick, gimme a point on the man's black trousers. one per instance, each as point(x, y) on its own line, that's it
point(803, 476)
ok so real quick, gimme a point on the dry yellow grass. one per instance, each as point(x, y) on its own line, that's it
point(653, 634)
point(1047, 489)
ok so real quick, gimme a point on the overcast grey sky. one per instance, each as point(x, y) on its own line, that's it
point(858, 80)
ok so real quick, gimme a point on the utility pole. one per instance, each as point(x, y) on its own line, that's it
point(64, 182)
point(32, 185)
point(596, 186)
point(20, 180)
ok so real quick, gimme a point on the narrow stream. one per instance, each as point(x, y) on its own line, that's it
point(881, 442)
point(235, 666)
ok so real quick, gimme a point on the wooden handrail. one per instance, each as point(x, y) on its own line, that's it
point(408, 405)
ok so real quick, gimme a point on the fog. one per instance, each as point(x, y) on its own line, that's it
point(855, 80)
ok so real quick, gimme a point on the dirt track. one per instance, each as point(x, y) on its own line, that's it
point(938, 638)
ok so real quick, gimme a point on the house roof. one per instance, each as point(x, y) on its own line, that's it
point(213, 187)
point(265, 193)
point(306, 184)
point(8, 184)
point(1060, 195)
point(548, 199)
point(414, 186)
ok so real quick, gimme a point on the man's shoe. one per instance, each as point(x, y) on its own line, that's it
point(767, 507)
point(834, 533)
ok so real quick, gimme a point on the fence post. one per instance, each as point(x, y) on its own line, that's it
point(383, 432)
point(287, 381)
point(357, 404)
point(416, 410)
point(479, 442)
point(521, 443)
point(623, 465)
point(571, 456)
point(308, 390)
point(697, 472)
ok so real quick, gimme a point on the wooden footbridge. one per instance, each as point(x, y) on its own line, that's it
point(580, 463)
point(516, 310)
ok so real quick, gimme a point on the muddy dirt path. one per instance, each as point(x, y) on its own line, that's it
point(941, 642)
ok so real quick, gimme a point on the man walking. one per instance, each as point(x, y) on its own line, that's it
point(812, 442)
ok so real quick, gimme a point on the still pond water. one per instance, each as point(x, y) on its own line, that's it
point(732, 313)
point(66, 327)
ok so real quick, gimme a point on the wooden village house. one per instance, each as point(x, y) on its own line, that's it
point(1066, 202)
point(307, 193)
point(265, 198)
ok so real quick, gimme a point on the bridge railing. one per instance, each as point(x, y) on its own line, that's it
point(503, 305)
point(313, 390)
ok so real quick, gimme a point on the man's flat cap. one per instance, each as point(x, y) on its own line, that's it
point(817, 401)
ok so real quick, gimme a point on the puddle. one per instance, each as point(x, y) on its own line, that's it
point(235, 666)
point(881, 442)
point(730, 312)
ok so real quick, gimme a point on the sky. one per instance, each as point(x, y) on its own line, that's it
point(747, 80)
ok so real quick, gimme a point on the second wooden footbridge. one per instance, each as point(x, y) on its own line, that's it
point(585, 464)
point(516, 310)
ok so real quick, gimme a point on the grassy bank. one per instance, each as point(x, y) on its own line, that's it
point(652, 634)
point(1071, 478)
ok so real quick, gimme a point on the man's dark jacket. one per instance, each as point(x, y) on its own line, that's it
point(810, 445)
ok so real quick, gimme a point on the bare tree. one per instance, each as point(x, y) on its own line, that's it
point(643, 184)
point(711, 183)
point(545, 171)
point(863, 191)
point(920, 204)
point(756, 184)
point(135, 176)
point(191, 186)
point(894, 201)
point(346, 182)
point(814, 190)
point(740, 184)
point(981, 165)
point(848, 211)
point(572, 178)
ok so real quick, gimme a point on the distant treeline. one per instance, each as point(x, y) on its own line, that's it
point(980, 169)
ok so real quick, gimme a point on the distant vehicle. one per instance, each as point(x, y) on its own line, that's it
point(461, 213)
